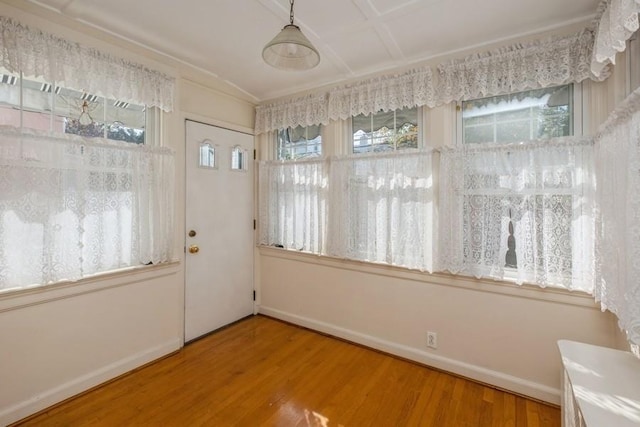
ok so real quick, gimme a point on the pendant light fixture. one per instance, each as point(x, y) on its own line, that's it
point(290, 49)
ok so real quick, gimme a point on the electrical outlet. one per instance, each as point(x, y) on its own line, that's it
point(432, 340)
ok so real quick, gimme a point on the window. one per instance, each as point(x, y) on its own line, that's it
point(238, 158)
point(36, 104)
point(208, 157)
point(381, 208)
point(299, 142)
point(78, 207)
point(524, 210)
point(633, 63)
point(372, 208)
point(506, 210)
point(385, 131)
point(523, 116)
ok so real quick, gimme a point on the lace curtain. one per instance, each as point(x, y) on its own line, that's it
point(293, 204)
point(303, 111)
point(542, 63)
point(388, 93)
point(524, 211)
point(553, 61)
point(71, 206)
point(381, 208)
point(618, 216)
point(364, 207)
point(617, 20)
point(36, 53)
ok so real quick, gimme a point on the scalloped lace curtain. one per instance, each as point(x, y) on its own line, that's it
point(618, 217)
point(40, 54)
point(293, 204)
point(388, 93)
point(553, 61)
point(303, 111)
point(72, 206)
point(617, 21)
point(542, 63)
point(381, 208)
point(523, 211)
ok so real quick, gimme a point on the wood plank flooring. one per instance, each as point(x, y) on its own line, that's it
point(263, 372)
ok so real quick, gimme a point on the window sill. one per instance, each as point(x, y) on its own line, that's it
point(556, 295)
point(12, 299)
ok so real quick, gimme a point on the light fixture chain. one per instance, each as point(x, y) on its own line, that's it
point(291, 12)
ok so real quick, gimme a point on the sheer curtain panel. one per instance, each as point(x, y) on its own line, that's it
point(381, 208)
point(523, 211)
point(71, 206)
point(618, 199)
point(293, 204)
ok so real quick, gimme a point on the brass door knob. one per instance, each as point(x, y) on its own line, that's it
point(193, 249)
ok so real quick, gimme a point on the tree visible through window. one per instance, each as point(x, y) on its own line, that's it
point(385, 131)
point(523, 116)
point(299, 142)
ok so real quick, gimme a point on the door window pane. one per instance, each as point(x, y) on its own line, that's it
point(238, 158)
point(207, 156)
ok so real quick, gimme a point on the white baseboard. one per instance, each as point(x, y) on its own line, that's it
point(478, 373)
point(77, 385)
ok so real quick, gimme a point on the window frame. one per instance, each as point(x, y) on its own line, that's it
point(578, 126)
point(420, 134)
point(152, 126)
point(577, 114)
point(276, 145)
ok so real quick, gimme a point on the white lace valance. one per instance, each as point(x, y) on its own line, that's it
point(411, 89)
point(542, 63)
point(303, 111)
point(73, 65)
point(617, 20)
point(521, 66)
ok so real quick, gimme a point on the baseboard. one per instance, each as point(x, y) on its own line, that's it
point(71, 388)
point(478, 373)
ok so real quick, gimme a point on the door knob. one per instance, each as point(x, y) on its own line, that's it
point(193, 249)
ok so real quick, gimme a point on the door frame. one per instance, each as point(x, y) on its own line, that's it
point(184, 117)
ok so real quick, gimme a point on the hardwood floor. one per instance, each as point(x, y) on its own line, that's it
point(262, 372)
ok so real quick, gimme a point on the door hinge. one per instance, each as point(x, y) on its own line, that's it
point(254, 224)
point(254, 295)
point(254, 154)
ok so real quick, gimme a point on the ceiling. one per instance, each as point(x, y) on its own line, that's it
point(354, 37)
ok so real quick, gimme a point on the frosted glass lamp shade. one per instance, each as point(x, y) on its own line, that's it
point(291, 50)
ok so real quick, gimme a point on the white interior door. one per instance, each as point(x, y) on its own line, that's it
point(219, 226)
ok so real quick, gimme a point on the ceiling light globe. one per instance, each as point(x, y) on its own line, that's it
point(291, 50)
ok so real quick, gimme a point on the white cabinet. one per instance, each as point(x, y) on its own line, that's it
point(601, 386)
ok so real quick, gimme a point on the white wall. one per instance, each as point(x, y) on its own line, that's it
point(61, 340)
point(496, 333)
